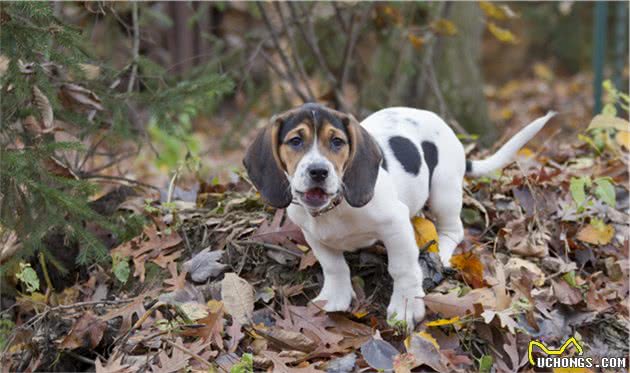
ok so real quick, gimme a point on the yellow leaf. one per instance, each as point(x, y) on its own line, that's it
point(423, 335)
point(525, 152)
point(416, 41)
point(543, 71)
point(443, 26)
point(503, 35)
point(507, 114)
point(491, 10)
point(623, 139)
point(609, 121)
point(425, 232)
point(596, 233)
point(440, 322)
point(360, 314)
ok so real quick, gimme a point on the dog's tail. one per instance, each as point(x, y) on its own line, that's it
point(506, 153)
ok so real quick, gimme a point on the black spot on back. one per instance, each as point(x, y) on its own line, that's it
point(468, 165)
point(406, 153)
point(430, 156)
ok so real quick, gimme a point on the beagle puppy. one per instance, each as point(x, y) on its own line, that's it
point(348, 185)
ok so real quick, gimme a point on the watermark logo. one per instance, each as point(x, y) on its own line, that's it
point(552, 357)
point(549, 352)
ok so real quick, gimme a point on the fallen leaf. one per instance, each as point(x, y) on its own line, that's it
point(177, 360)
point(470, 267)
point(514, 265)
point(425, 351)
point(276, 233)
point(74, 96)
point(280, 364)
point(451, 305)
point(623, 139)
point(596, 233)
point(442, 322)
point(307, 260)
point(504, 317)
point(127, 312)
point(113, 366)
point(501, 34)
point(87, 332)
point(287, 339)
point(526, 239)
point(314, 323)
point(566, 293)
point(238, 298)
point(608, 121)
point(212, 329)
point(204, 265)
point(379, 354)
point(344, 364)
point(425, 232)
point(177, 281)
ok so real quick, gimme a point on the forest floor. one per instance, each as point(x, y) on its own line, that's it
point(217, 281)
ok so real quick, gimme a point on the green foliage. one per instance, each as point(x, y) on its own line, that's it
point(246, 365)
point(28, 277)
point(38, 194)
point(121, 269)
point(604, 190)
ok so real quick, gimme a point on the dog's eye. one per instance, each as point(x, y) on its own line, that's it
point(336, 142)
point(295, 141)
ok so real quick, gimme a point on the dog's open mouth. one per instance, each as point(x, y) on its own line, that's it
point(315, 197)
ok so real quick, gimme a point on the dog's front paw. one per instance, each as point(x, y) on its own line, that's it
point(335, 301)
point(407, 307)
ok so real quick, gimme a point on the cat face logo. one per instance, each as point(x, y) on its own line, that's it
point(551, 352)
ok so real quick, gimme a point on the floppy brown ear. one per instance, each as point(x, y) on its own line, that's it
point(262, 165)
point(365, 158)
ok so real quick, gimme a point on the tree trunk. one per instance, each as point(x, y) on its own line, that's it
point(457, 65)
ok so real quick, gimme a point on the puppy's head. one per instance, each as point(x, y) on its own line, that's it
point(313, 154)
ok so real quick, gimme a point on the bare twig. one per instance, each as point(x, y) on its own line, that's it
point(352, 40)
point(188, 352)
point(283, 57)
point(119, 178)
point(136, 47)
point(296, 60)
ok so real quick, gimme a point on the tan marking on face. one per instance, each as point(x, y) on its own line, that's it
point(337, 155)
point(290, 156)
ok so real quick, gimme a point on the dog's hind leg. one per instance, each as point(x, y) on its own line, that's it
point(446, 204)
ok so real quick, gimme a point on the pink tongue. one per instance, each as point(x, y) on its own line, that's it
point(315, 196)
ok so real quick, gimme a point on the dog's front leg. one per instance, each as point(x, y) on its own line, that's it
point(402, 254)
point(337, 290)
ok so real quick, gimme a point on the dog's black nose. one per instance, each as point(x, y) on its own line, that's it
point(318, 173)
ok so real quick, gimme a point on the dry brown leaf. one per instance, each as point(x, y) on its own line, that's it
point(113, 366)
point(307, 260)
point(150, 245)
point(87, 331)
point(287, 339)
point(314, 323)
point(127, 312)
point(276, 233)
point(525, 239)
point(238, 298)
point(280, 364)
point(425, 351)
point(178, 359)
point(77, 97)
point(43, 105)
point(177, 281)
point(451, 305)
point(566, 293)
point(212, 329)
